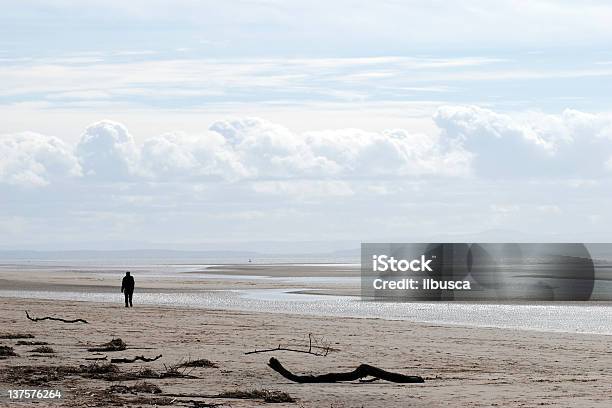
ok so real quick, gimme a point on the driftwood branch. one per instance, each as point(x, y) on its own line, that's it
point(137, 358)
point(38, 319)
point(325, 350)
point(96, 358)
point(200, 404)
point(364, 370)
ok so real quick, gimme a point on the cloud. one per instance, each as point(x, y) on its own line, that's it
point(471, 142)
point(108, 151)
point(270, 150)
point(31, 159)
point(231, 150)
point(180, 156)
point(532, 144)
point(394, 153)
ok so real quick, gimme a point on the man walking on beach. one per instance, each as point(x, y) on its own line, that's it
point(127, 288)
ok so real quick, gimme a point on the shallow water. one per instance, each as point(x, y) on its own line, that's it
point(572, 318)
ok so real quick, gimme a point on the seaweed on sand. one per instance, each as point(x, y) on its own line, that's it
point(142, 387)
point(35, 375)
point(31, 343)
point(43, 349)
point(265, 395)
point(11, 336)
point(262, 395)
point(199, 363)
point(113, 345)
point(6, 351)
point(44, 374)
point(120, 395)
point(173, 371)
point(105, 371)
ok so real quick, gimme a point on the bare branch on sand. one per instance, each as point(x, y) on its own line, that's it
point(324, 349)
point(59, 319)
point(364, 370)
point(137, 358)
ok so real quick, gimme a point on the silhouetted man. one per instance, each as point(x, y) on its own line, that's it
point(127, 288)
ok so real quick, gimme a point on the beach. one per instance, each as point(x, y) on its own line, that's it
point(461, 365)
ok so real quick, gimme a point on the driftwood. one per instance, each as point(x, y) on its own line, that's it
point(38, 319)
point(137, 358)
point(96, 358)
point(364, 370)
point(325, 350)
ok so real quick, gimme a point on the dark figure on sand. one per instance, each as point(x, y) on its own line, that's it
point(127, 288)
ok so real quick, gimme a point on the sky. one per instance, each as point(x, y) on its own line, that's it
point(181, 123)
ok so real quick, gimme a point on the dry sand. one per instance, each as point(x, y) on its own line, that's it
point(472, 367)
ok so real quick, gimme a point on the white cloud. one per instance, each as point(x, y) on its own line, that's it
point(250, 148)
point(184, 157)
point(572, 144)
point(269, 150)
point(108, 151)
point(394, 153)
point(476, 125)
point(471, 141)
point(32, 159)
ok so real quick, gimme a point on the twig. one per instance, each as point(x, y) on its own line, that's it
point(325, 352)
point(96, 358)
point(364, 370)
point(132, 360)
point(202, 404)
point(279, 348)
point(38, 319)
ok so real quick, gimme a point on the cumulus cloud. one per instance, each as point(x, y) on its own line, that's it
point(530, 144)
point(471, 141)
point(270, 150)
point(32, 159)
point(108, 151)
point(394, 153)
point(179, 156)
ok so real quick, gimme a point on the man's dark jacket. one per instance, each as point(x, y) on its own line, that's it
point(127, 284)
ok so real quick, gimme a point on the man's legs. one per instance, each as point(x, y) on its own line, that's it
point(127, 296)
point(130, 297)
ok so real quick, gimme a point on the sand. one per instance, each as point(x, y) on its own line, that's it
point(462, 366)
